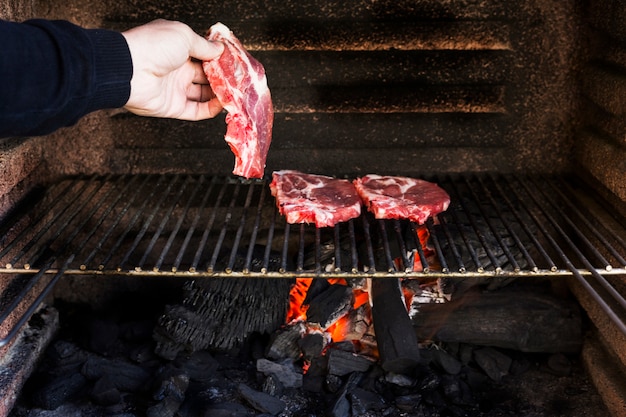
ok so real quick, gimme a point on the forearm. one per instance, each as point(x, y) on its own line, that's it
point(52, 73)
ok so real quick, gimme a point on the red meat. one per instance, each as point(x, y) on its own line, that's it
point(310, 198)
point(390, 197)
point(239, 83)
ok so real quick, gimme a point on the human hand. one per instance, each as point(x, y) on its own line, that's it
point(168, 79)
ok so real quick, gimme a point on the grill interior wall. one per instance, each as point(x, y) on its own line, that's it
point(390, 87)
point(401, 87)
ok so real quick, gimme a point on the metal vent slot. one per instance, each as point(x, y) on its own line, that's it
point(197, 226)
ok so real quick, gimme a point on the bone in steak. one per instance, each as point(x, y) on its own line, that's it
point(311, 198)
point(389, 197)
point(239, 83)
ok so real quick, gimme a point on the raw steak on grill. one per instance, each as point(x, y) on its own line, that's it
point(311, 198)
point(391, 197)
point(239, 83)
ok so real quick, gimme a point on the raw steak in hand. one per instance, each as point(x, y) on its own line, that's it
point(310, 198)
point(401, 197)
point(239, 83)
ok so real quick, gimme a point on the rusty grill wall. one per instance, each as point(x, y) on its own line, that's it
point(425, 87)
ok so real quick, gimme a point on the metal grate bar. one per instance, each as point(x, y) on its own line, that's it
point(170, 225)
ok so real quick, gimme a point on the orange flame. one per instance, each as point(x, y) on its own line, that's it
point(297, 295)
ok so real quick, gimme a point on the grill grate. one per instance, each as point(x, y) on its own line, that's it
point(199, 226)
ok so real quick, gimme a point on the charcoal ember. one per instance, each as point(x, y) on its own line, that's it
point(221, 313)
point(342, 363)
point(317, 287)
point(284, 343)
point(329, 306)
point(261, 401)
point(495, 363)
point(285, 372)
point(124, 375)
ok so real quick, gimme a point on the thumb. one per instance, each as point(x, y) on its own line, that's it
point(204, 49)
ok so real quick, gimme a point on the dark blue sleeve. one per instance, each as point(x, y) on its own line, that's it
point(52, 73)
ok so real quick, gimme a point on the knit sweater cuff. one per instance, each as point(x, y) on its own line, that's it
point(113, 69)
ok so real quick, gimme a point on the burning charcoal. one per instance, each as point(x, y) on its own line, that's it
point(493, 362)
point(342, 363)
point(286, 373)
point(260, 401)
point(284, 343)
point(125, 376)
point(327, 307)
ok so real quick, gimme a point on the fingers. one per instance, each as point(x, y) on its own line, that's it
point(200, 92)
point(195, 110)
point(199, 76)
